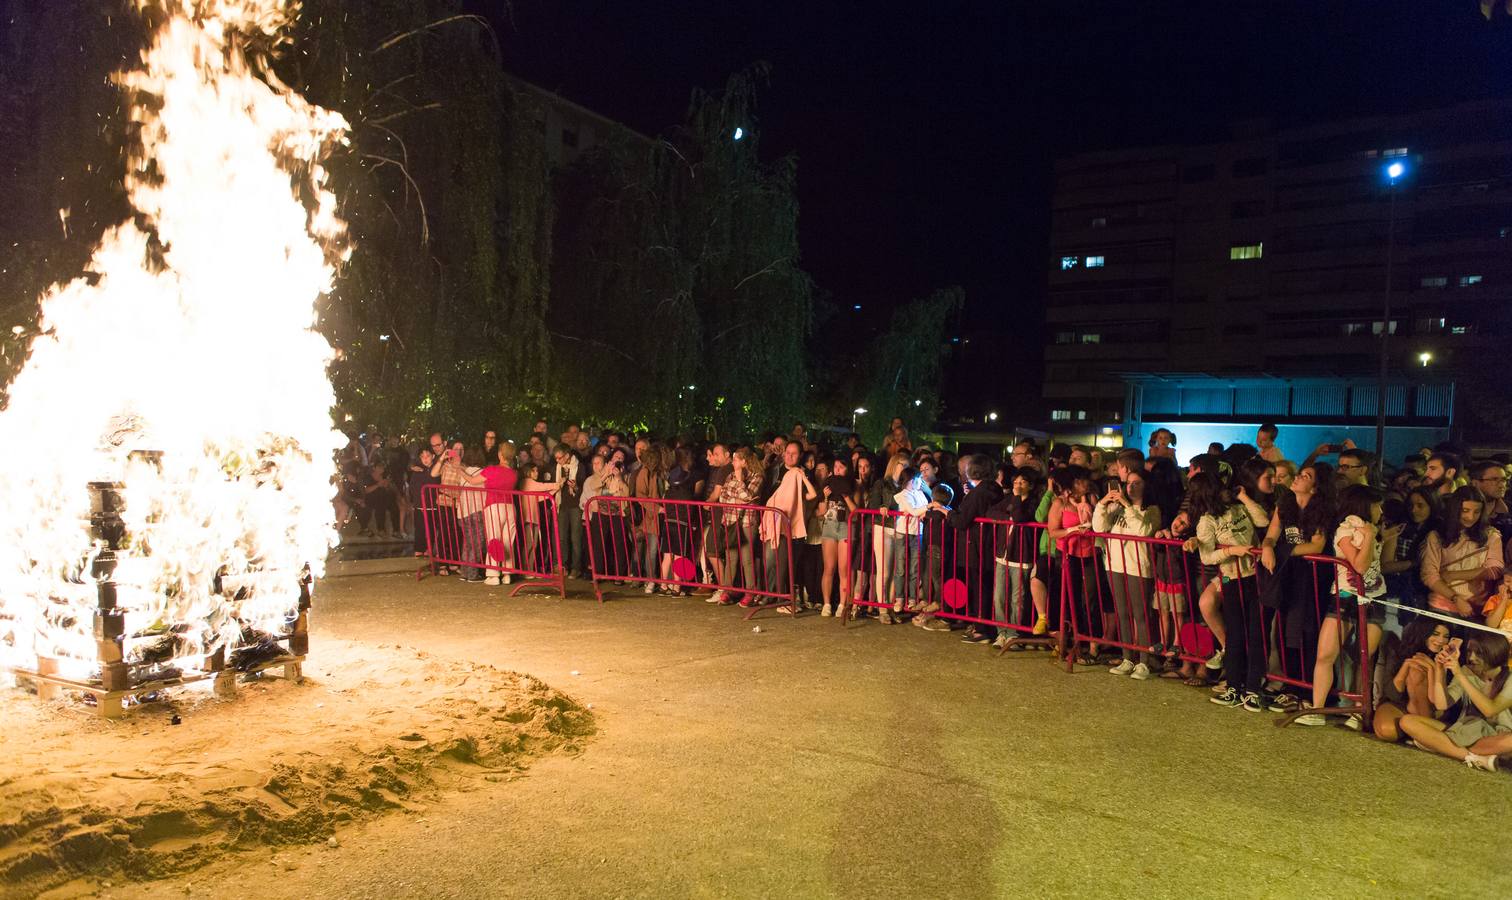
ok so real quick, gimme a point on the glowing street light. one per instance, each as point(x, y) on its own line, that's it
point(739, 132)
point(1425, 358)
point(1395, 170)
point(858, 411)
point(992, 417)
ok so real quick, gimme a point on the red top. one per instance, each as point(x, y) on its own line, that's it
point(498, 479)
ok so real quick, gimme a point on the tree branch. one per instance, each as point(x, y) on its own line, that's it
point(424, 219)
point(764, 269)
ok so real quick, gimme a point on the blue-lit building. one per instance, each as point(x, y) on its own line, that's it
point(1201, 409)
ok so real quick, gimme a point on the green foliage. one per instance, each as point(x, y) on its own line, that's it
point(678, 298)
point(905, 367)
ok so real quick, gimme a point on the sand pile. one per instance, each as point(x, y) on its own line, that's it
point(371, 728)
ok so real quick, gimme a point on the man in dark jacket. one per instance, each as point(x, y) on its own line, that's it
point(974, 555)
point(572, 473)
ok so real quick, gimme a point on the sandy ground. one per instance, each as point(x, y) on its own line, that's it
point(808, 760)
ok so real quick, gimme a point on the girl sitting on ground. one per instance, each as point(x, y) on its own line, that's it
point(1483, 692)
point(1412, 670)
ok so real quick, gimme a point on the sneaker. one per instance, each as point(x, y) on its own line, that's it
point(936, 625)
point(717, 597)
point(1215, 662)
point(748, 601)
point(1282, 703)
point(828, 610)
point(649, 589)
point(1354, 722)
point(492, 580)
point(1229, 698)
point(897, 604)
point(1476, 761)
point(1125, 668)
point(1311, 719)
point(1252, 703)
point(1001, 640)
point(1220, 687)
point(972, 636)
point(1041, 625)
point(1141, 672)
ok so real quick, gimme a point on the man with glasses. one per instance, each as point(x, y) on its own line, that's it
point(1354, 466)
point(1491, 477)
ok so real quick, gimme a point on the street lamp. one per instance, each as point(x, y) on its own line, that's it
point(858, 411)
point(1425, 358)
point(1394, 171)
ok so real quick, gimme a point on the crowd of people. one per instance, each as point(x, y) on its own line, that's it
point(1241, 572)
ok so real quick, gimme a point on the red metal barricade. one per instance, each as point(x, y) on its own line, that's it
point(1158, 601)
point(685, 545)
point(983, 575)
point(504, 533)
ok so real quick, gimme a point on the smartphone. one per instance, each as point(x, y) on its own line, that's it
point(1454, 647)
point(1334, 448)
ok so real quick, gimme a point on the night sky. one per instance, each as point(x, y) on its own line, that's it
point(925, 132)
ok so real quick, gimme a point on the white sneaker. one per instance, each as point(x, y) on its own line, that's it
point(492, 579)
point(1122, 668)
point(650, 588)
point(1476, 761)
point(1310, 719)
point(1000, 641)
point(829, 610)
point(1215, 662)
point(1354, 723)
point(1141, 672)
point(717, 597)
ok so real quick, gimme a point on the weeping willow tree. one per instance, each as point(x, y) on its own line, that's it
point(906, 364)
point(678, 301)
point(439, 317)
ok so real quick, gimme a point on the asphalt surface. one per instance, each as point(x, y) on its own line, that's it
point(874, 761)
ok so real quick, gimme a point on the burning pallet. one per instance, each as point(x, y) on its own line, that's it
point(154, 663)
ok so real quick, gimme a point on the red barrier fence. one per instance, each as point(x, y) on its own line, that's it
point(1139, 594)
point(991, 573)
point(502, 533)
point(1157, 600)
point(745, 552)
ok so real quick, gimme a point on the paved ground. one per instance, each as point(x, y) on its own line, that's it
point(808, 760)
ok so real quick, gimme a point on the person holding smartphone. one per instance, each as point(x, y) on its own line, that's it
point(1481, 688)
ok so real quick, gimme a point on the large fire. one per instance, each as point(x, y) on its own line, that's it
point(191, 337)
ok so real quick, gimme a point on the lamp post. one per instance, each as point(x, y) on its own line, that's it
point(1394, 171)
point(858, 411)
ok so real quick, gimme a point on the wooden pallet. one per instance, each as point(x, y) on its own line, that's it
point(112, 704)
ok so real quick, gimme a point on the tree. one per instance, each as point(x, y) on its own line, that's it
point(906, 364)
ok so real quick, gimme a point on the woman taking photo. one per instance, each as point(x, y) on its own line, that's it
point(1125, 511)
point(1483, 691)
point(1462, 559)
point(1302, 526)
point(609, 535)
point(649, 482)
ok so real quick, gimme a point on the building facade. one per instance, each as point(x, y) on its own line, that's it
point(1266, 256)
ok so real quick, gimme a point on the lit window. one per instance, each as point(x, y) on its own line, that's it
point(1435, 281)
point(1091, 339)
point(1467, 280)
point(1069, 262)
point(1094, 262)
point(1246, 251)
point(1060, 415)
point(1459, 329)
point(1065, 337)
point(1100, 222)
point(1393, 152)
point(1081, 415)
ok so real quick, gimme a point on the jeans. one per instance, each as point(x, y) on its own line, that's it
point(472, 542)
point(740, 555)
point(777, 559)
point(1010, 587)
point(904, 550)
point(570, 538)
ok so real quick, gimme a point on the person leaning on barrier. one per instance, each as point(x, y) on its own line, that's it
point(1125, 510)
point(982, 494)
